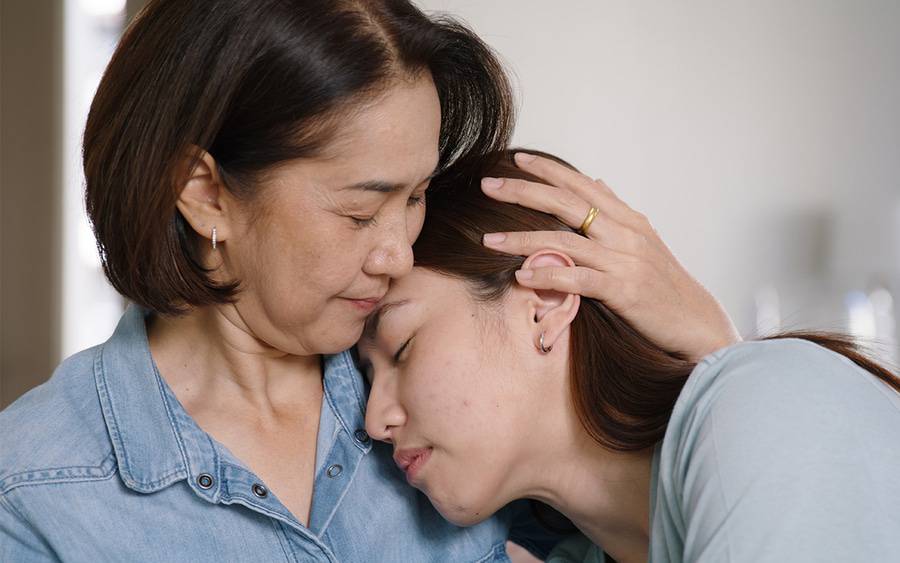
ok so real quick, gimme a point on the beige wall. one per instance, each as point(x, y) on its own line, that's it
point(761, 138)
point(31, 82)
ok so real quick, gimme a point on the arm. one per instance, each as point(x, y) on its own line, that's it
point(787, 455)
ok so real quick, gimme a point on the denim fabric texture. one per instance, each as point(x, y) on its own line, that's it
point(102, 463)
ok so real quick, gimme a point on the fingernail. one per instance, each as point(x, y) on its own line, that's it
point(525, 158)
point(524, 275)
point(494, 238)
point(491, 183)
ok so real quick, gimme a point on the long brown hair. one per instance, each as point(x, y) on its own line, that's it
point(623, 386)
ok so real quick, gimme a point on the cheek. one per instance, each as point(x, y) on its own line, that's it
point(415, 222)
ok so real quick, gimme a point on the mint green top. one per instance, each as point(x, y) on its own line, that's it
point(776, 451)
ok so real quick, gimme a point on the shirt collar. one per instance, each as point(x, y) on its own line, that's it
point(156, 442)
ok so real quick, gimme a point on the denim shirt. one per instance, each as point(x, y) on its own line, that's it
point(102, 463)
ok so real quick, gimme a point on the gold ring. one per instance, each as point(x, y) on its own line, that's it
point(592, 214)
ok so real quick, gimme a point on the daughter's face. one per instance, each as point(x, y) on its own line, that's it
point(454, 390)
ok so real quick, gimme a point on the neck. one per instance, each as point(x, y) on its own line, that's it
point(605, 494)
point(209, 357)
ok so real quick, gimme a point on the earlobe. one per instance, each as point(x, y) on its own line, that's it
point(553, 311)
point(556, 321)
point(201, 198)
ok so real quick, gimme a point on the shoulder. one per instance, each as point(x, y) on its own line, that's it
point(784, 378)
point(771, 449)
point(776, 406)
point(56, 428)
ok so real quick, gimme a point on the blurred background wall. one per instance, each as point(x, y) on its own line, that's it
point(761, 138)
point(31, 96)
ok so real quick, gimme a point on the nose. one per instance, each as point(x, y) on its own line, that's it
point(392, 255)
point(383, 413)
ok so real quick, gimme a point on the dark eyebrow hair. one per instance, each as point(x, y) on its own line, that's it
point(383, 187)
point(375, 318)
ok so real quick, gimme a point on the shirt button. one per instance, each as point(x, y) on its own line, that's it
point(361, 436)
point(205, 481)
point(335, 470)
point(260, 491)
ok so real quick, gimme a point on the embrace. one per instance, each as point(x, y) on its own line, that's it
point(362, 327)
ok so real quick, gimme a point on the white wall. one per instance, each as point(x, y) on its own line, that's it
point(762, 138)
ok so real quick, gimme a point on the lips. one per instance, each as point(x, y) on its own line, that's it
point(411, 461)
point(366, 303)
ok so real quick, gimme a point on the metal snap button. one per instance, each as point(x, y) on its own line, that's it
point(335, 470)
point(260, 491)
point(361, 436)
point(205, 481)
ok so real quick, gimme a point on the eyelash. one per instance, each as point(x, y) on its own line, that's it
point(371, 222)
point(401, 350)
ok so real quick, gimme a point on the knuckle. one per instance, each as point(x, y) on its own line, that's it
point(631, 240)
point(526, 238)
point(518, 188)
point(563, 239)
point(583, 277)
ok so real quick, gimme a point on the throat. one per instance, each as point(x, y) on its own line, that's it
point(607, 496)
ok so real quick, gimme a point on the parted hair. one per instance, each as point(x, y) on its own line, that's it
point(256, 83)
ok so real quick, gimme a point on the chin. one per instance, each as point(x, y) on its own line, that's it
point(335, 340)
point(462, 514)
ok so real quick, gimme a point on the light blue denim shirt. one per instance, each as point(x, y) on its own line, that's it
point(102, 463)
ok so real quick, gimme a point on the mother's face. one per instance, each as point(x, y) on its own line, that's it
point(316, 250)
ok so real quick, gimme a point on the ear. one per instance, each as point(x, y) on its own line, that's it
point(552, 312)
point(203, 200)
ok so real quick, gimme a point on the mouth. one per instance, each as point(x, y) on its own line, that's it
point(411, 461)
point(367, 304)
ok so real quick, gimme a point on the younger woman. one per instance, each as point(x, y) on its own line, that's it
point(492, 389)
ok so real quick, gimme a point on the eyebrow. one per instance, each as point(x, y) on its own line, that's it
point(380, 186)
point(371, 327)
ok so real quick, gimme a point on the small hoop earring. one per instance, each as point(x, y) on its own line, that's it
point(543, 349)
point(214, 237)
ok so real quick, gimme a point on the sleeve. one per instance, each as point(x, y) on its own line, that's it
point(789, 456)
point(18, 540)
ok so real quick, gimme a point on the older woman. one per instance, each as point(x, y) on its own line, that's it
point(256, 173)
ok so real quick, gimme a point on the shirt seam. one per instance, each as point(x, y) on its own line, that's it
point(5, 486)
point(39, 483)
point(344, 491)
point(352, 369)
point(109, 411)
point(173, 424)
point(281, 534)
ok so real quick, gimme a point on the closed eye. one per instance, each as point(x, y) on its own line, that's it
point(401, 350)
point(416, 200)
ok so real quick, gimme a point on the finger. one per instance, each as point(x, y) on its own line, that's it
point(553, 172)
point(565, 205)
point(595, 284)
point(595, 192)
point(583, 251)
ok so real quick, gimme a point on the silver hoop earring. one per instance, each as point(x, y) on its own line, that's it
point(214, 237)
point(543, 349)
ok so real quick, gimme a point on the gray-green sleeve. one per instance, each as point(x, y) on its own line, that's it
point(780, 451)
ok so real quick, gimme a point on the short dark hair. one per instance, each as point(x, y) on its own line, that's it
point(256, 83)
